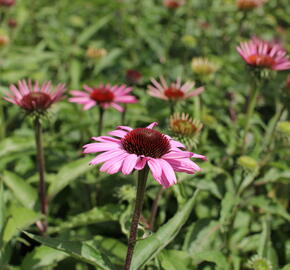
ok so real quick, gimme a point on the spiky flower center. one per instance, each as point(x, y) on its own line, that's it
point(184, 127)
point(261, 60)
point(36, 101)
point(146, 142)
point(173, 93)
point(102, 94)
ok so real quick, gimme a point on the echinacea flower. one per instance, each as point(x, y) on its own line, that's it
point(104, 96)
point(249, 4)
point(7, 3)
point(203, 66)
point(131, 149)
point(174, 91)
point(172, 4)
point(133, 76)
point(34, 97)
point(263, 54)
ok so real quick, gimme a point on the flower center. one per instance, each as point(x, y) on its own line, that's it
point(184, 127)
point(102, 94)
point(260, 60)
point(36, 101)
point(173, 93)
point(146, 142)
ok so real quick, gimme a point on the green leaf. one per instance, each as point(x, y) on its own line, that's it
point(108, 212)
point(106, 61)
point(228, 203)
point(150, 247)
point(75, 73)
point(92, 30)
point(42, 257)
point(2, 207)
point(15, 145)
point(269, 206)
point(18, 219)
point(175, 259)
point(67, 174)
point(83, 251)
point(22, 191)
point(286, 267)
point(214, 256)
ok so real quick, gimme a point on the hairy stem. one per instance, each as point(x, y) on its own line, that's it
point(142, 178)
point(41, 171)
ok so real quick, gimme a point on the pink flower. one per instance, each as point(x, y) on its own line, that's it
point(133, 76)
point(175, 91)
point(135, 148)
point(34, 98)
point(104, 96)
point(7, 3)
point(260, 53)
point(173, 3)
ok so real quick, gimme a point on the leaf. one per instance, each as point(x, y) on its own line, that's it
point(175, 259)
point(75, 73)
point(214, 256)
point(92, 30)
point(108, 212)
point(18, 219)
point(150, 247)
point(67, 174)
point(2, 207)
point(83, 251)
point(42, 257)
point(22, 191)
point(269, 206)
point(228, 204)
point(286, 267)
point(106, 61)
point(14, 145)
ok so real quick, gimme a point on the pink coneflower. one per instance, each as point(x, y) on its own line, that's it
point(249, 4)
point(134, 148)
point(7, 3)
point(260, 53)
point(104, 96)
point(34, 98)
point(172, 4)
point(175, 91)
point(133, 76)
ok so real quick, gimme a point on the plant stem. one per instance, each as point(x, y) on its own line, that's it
point(101, 120)
point(171, 107)
point(154, 208)
point(249, 115)
point(123, 116)
point(41, 171)
point(142, 178)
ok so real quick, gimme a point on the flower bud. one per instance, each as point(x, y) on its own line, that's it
point(203, 66)
point(4, 40)
point(248, 163)
point(96, 53)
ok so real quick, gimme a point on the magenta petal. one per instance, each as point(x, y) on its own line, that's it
point(155, 168)
point(199, 156)
point(129, 163)
point(141, 162)
point(152, 125)
point(178, 154)
point(105, 156)
point(113, 165)
point(167, 172)
point(118, 133)
point(100, 147)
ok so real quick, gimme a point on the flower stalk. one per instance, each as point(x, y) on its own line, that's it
point(41, 171)
point(141, 186)
point(101, 120)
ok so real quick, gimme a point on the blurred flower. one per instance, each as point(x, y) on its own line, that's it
point(248, 162)
point(175, 91)
point(203, 66)
point(133, 76)
point(185, 129)
point(189, 41)
point(288, 83)
point(126, 193)
point(96, 53)
point(34, 98)
point(249, 4)
point(7, 3)
point(173, 3)
point(136, 148)
point(12, 23)
point(259, 263)
point(4, 40)
point(104, 96)
point(263, 54)
point(183, 124)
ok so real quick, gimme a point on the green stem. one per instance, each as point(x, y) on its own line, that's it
point(249, 115)
point(41, 171)
point(141, 186)
point(123, 116)
point(101, 120)
point(171, 107)
point(155, 208)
